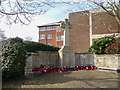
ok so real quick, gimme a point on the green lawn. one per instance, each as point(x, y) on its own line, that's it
point(71, 79)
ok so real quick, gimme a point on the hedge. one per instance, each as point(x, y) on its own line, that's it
point(35, 46)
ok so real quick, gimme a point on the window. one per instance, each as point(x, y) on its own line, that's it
point(49, 36)
point(59, 46)
point(53, 27)
point(42, 28)
point(62, 38)
point(59, 29)
point(58, 38)
point(49, 43)
point(42, 36)
point(42, 42)
point(47, 28)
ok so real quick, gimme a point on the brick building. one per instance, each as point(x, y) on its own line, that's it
point(90, 25)
point(51, 34)
point(87, 26)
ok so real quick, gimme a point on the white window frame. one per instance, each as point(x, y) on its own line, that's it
point(49, 43)
point(59, 29)
point(49, 36)
point(42, 28)
point(62, 38)
point(58, 38)
point(42, 36)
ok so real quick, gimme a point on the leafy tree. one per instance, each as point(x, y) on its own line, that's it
point(13, 59)
point(99, 46)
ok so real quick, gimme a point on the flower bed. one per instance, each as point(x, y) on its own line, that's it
point(45, 70)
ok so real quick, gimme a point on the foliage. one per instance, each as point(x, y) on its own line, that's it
point(99, 46)
point(15, 54)
point(113, 48)
point(13, 59)
point(34, 47)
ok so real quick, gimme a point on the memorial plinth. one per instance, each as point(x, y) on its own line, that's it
point(67, 57)
point(66, 53)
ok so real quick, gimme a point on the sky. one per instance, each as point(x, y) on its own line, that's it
point(17, 30)
point(53, 15)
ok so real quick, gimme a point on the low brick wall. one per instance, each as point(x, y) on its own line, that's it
point(107, 61)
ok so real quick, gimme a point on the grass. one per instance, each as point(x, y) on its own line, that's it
point(71, 79)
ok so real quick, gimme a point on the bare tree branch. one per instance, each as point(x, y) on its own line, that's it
point(15, 9)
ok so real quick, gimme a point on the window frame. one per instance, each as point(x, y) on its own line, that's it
point(59, 38)
point(49, 43)
point(42, 35)
point(50, 36)
point(58, 29)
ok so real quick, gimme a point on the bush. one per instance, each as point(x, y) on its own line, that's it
point(113, 48)
point(15, 54)
point(35, 46)
point(13, 59)
point(99, 46)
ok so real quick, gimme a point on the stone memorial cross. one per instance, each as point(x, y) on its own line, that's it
point(66, 26)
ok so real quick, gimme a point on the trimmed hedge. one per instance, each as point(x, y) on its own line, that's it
point(35, 46)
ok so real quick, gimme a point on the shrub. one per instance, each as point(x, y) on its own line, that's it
point(99, 46)
point(113, 48)
point(35, 46)
point(13, 59)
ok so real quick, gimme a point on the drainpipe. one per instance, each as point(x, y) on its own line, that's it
point(90, 26)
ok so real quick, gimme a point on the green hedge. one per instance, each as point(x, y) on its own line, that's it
point(15, 54)
point(35, 46)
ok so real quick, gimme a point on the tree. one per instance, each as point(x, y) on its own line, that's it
point(110, 5)
point(14, 59)
point(100, 45)
point(22, 11)
point(106, 7)
point(2, 35)
point(28, 38)
point(2, 38)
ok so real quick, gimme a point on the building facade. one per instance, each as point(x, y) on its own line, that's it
point(88, 26)
point(51, 34)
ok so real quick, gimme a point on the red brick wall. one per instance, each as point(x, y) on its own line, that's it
point(60, 43)
point(53, 40)
point(79, 33)
point(103, 23)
